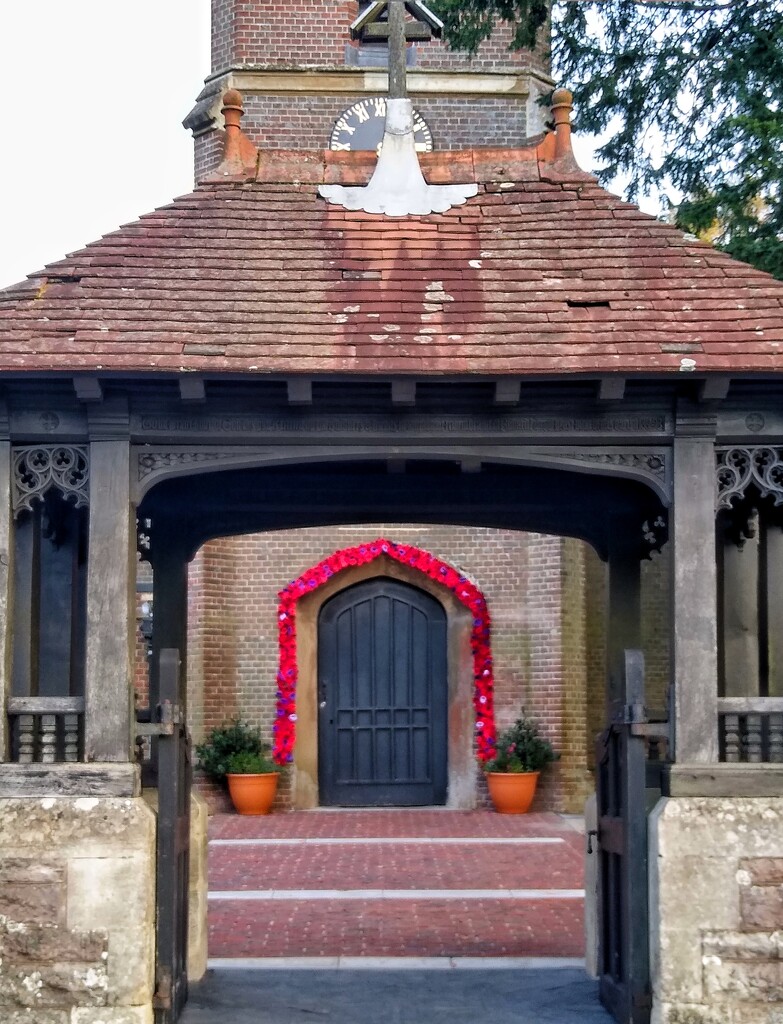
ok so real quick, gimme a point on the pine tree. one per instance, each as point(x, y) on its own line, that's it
point(689, 92)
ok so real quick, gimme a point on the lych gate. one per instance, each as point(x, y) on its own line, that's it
point(539, 357)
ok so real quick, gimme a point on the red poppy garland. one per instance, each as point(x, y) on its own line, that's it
point(285, 723)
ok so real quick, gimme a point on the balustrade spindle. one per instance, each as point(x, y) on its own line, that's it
point(753, 738)
point(731, 737)
point(26, 739)
point(71, 738)
point(776, 738)
point(48, 739)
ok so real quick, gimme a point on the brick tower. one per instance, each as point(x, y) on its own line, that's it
point(301, 73)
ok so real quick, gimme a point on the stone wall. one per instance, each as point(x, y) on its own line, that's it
point(716, 881)
point(77, 911)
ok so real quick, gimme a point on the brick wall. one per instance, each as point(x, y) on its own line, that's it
point(232, 649)
point(316, 32)
point(306, 122)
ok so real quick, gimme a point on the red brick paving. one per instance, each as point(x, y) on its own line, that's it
point(389, 927)
point(397, 866)
point(390, 823)
point(396, 928)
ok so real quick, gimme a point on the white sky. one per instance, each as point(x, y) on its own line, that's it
point(94, 93)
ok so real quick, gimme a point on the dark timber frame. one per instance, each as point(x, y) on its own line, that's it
point(619, 467)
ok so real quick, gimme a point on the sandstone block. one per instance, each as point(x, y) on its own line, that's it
point(113, 1015)
point(37, 902)
point(715, 910)
point(77, 877)
point(685, 1014)
point(764, 870)
point(79, 825)
point(53, 986)
point(36, 1016)
point(49, 944)
point(197, 897)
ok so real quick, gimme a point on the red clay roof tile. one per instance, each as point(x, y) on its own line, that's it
point(533, 276)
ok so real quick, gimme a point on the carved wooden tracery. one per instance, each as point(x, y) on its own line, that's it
point(39, 468)
point(739, 467)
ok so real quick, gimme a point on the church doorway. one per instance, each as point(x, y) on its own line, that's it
point(382, 688)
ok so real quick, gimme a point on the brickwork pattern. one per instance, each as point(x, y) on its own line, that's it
point(577, 781)
point(233, 620)
point(596, 582)
point(315, 32)
point(207, 153)
point(455, 926)
point(306, 122)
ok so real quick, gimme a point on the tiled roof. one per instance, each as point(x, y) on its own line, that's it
point(543, 272)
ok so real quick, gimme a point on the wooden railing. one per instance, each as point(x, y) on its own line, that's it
point(751, 729)
point(46, 730)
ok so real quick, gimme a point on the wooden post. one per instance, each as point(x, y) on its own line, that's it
point(774, 604)
point(398, 85)
point(6, 575)
point(170, 611)
point(111, 579)
point(624, 619)
point(740, 597)
point(695, 598)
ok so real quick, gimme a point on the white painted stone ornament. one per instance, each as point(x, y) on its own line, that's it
point(397, 187)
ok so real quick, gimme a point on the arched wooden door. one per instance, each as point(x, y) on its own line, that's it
point(382, 693)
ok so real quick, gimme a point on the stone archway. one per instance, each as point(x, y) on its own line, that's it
point(462, 768)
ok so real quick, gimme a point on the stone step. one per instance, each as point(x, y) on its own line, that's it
point(395, 884)
point(410, 864)
point(450, 927)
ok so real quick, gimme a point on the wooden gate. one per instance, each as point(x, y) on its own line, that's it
point(382, 697)
point(173, 777)
point(625, 778)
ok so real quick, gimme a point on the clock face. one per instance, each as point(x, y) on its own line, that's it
point(361, 127)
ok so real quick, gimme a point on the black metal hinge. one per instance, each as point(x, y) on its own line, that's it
point(163, 989)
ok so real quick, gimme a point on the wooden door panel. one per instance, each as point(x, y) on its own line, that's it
point(383, 694)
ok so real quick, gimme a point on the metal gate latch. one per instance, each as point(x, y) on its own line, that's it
point(169, 715)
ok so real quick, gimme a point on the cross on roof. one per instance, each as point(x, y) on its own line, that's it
point(371, 23)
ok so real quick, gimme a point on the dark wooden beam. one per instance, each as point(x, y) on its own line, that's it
point(403, 391)
point(111, 571)
point(395, 466)
point(611, 389)
point(88, 389)
point(6, 584)
point(695, 592)
point(470, 465)
point(300, 391)
point(69, 780)
point(714, 389)
point(507, 392)
point(192, 389)
point(723, 780)
point(415, 32)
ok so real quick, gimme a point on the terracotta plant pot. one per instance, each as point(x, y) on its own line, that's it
point(253, 794)
point(512, 792)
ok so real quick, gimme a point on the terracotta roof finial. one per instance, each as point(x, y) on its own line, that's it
point(562, 105)
point(240, 156)
point(232, 112)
